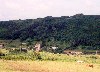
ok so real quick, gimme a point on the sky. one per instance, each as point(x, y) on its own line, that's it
point(31, 9)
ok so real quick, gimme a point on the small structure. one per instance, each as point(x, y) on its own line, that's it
point(23, 43)
point(37, 47)
point(54, 48)
point(1, 46)
point(23, 49)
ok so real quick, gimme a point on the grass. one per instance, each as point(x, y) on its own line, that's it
point(46, 56)
point(47, 62)
point(45, 66)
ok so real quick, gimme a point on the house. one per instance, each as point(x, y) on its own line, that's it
point(54, 48)
point(23, 43)
point(1, 46)
point(37, 47)
point(23, 49)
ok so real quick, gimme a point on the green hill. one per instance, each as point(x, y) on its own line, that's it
point(74, 32)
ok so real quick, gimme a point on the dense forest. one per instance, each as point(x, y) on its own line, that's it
point(66, 32)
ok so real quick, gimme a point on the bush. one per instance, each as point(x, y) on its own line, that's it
point(46, 56)
point(94, 57)
point(3, 52)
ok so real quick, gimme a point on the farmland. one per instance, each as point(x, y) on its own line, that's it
point(45, 66)
point(48, 62)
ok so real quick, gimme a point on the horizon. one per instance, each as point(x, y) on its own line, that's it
point(45, 16)
point(32, 9)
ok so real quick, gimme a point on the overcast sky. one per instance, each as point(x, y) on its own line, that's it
point(26, 9)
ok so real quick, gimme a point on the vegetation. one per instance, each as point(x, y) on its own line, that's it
point(46, 66)
point(46, 56)
point(12, 61)
point(75, 32)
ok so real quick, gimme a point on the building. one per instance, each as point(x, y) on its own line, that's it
point(1, 46)
point(54, 48)
point(37, 47)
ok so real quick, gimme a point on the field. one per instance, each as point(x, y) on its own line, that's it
point(47, 62)
point(46, 66)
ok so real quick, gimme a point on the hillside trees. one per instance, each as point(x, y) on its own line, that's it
point(67, 32)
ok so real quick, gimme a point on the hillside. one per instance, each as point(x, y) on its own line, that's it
point(74, 32)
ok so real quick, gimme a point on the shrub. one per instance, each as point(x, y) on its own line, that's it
point(3, 52)
point(93, 57)
point(37, 56)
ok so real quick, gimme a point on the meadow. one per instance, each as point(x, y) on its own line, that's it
point(48, 62)
point(45, 66)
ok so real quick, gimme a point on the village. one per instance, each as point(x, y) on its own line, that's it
point(23, 47)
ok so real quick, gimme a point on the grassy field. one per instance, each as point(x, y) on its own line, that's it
point(46, 66)
point(47, 62)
